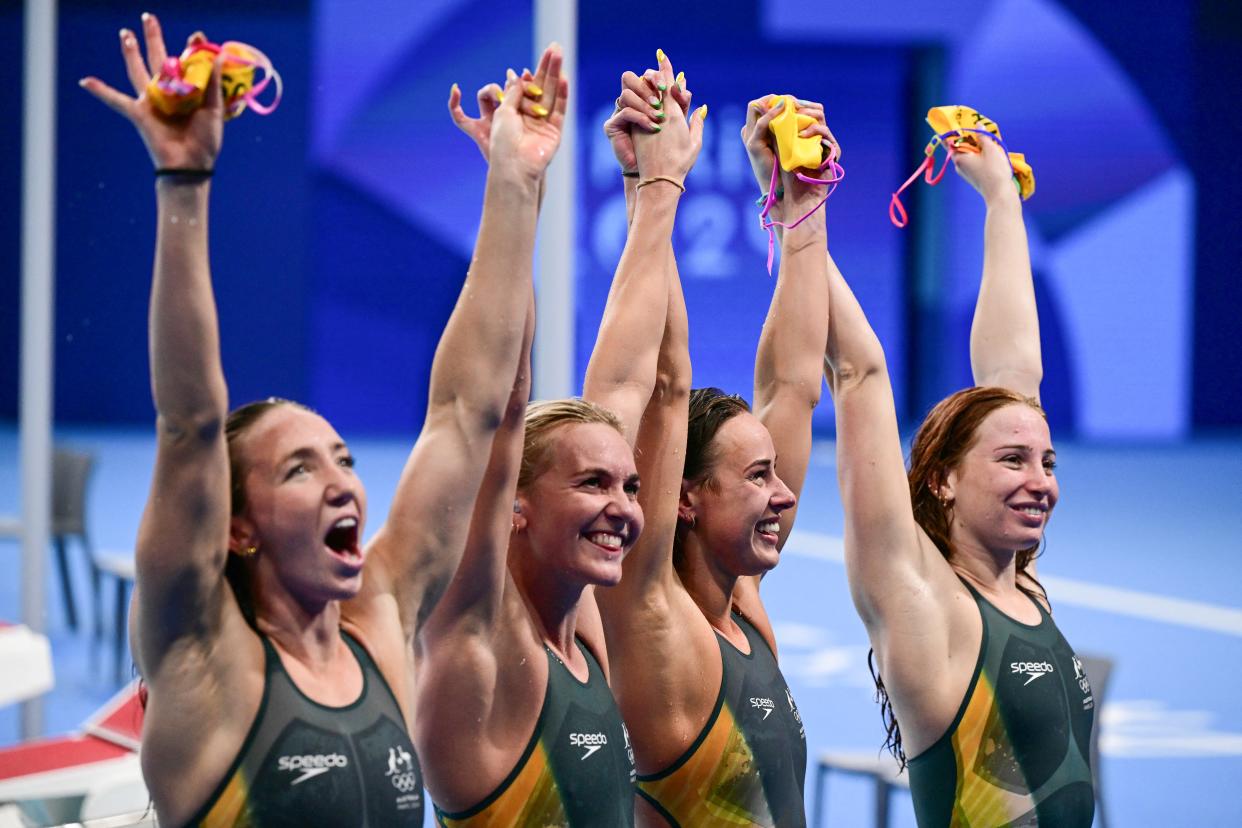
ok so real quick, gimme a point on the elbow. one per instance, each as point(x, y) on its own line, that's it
point(1024, 381)
point(474, 415)
point(191, 428)
point(671, 384)
point(803, 391)
point(849, 374)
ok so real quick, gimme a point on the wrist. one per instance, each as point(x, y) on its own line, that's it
point(1003, 198)
point(656, 194)
point(811, 233)
point(182, 184)
point(519, 182)
point(1002, 194)
point(664, 183)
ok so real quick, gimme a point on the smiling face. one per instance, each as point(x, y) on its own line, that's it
point(736, 509)
point(305, 507)
point(1004, 488)
point(580, 513)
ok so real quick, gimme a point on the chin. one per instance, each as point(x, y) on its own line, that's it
point(763, 561)
point(607, 579)
point(345, 590)
point(605, 576)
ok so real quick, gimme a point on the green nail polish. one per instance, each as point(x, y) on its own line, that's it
point(661, 116)
point(662, 86)
point(655, 128)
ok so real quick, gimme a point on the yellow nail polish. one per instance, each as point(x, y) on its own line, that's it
point(681, 79)
point(453, 88)
point(660, 58)
point(540, 110)
point(534, 90)
point(703, 109)
point(500, 96)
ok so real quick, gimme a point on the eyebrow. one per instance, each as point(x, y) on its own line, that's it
point(306, 452)
point(1027, 449)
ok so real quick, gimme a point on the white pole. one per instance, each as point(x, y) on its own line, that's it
point(554, 251)
point(38, 251)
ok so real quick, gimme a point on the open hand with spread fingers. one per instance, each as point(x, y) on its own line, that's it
point(490, 97)
point(189, 142)
point(526, 125)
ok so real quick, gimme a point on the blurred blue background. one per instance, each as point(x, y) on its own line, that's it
point(343, 223)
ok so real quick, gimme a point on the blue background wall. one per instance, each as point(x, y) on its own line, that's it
point(343, 223)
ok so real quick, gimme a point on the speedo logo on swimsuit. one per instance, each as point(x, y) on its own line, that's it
point(1034, 669)
point(760, 703)
point(590, 742)
point(311, 764)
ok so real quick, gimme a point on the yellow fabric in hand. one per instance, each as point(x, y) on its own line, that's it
point(795, 151)
point(944, 119)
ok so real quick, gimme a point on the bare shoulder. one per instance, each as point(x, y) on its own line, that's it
point(478, 699)
point(927, 659)
point(666, 675)
point(202, 703)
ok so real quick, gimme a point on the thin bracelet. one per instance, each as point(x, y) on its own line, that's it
point(625, 174)
point(182, 172)
point(653, 179)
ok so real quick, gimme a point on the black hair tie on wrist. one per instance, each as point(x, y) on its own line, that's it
point(182, 172)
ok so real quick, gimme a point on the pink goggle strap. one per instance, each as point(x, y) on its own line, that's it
point(836, 175)
point(896, 212)
point(270, 75)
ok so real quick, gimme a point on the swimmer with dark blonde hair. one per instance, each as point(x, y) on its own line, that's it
point(517, 723)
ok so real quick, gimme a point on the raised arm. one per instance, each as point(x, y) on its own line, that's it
point(466, 702)
point(622, 369)
point(788, 362)
point(416, 551)
point(183, 539)
point(1004, 335)
point(887, 556)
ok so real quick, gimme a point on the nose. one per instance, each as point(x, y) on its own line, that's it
point(623, 508)
point(343, 487)
point(783, 498)
point(1040, 482)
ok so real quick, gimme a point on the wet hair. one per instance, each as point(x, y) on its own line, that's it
point(710, 409)
point(543, 419)
point(239, 423)
point(949, 431)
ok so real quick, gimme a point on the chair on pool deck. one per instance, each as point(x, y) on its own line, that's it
point(118, 563)
point(71, 472)
point(882, 769)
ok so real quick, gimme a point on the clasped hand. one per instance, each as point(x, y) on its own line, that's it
point(650, 130)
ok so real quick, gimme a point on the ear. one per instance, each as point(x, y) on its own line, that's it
point(520, 509)
point(687, 503)
point(242, 534)
point(945, 488)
